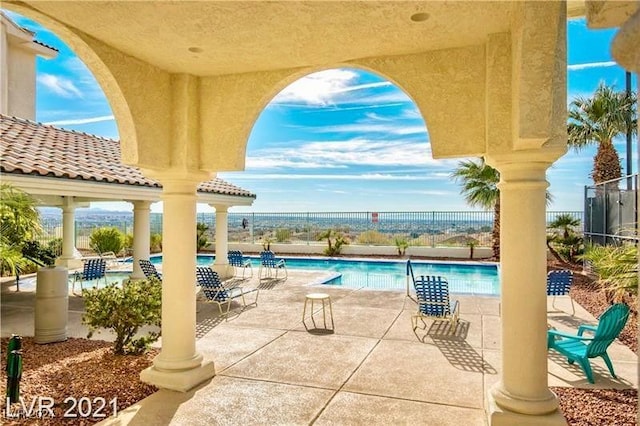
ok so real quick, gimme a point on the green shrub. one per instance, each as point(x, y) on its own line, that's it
point(283, 235)
point(55, 246)
point(128, 241)
point(41, 256)
point(402, 244)
point(106, 239)
point(616, 266)
point(124, 310)
point(155, 245)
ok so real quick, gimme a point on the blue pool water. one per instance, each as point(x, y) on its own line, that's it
point(476, 278)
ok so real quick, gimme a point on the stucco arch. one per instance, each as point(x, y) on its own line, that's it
point(88, 51)
point(232, 104)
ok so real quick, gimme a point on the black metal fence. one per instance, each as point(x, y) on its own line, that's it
point(430, 229)
point(611, 211)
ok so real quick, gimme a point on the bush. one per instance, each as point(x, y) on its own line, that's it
point(106, 239)
point(128, 241)
point(201, 236)
point(155, 245)
point(41, 256)
point(616, 266)
point(124, 310)
point(333, 247)
point(283, 235)
point(401, 244)
point(55, 246)
point(373, 237)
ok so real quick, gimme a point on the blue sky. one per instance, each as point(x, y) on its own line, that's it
point(338, 140)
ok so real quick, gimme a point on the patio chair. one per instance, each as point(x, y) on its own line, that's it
point(149, 269)
point(216, 292)
point(559, 284)
point(238, 261)
point(432, 294)
point(93, 269)
point(580, 348)
point(111, 259)
point(269, 263)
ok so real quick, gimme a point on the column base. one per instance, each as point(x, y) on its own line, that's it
point(498, 416)
point(181, 380)
point(225, 270)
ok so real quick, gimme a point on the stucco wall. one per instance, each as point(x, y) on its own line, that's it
point(21, 87)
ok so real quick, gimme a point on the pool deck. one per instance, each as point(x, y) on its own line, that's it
point(372, 370)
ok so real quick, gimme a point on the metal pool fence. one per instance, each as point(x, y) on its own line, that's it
point(429, 229)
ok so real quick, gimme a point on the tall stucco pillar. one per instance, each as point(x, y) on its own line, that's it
point(178, 366)
point(221, 264)
point(522, 395)
point(141, 236)
point(70, 256)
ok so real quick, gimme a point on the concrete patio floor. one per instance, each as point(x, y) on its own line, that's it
point(372, 370)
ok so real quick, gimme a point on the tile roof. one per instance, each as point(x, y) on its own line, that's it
point(27, 147)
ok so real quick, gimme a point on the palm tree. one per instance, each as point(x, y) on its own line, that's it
point(480, 189)
point(565, 223)
point(598, 120)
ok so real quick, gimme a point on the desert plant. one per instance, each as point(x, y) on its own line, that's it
point(401, 244)
point(155, 243)
point(201, 235)
point(106, 239)
point(564, 243)
point(616, 266)
point(334, 247)
point(373, 237)
point(124, 310)
point(283, 235)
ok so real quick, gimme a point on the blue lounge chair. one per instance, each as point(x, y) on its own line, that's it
point(149, 269)
point(93, 269)
point(269, 263)
point(238, 261)
point(215, 291)
point(559, 284)
point(432, 294)
point(580, 348)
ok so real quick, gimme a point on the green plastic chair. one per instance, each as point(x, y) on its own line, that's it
point(580, 348)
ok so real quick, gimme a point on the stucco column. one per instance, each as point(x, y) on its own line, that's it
point(178, 366)
point(221, 264)
point(523, 388)
point(69, 256)
point(141, 236)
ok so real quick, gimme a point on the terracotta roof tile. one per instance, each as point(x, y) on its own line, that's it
point(27, 147)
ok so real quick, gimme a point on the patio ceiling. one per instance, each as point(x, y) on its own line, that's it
point(214, 38)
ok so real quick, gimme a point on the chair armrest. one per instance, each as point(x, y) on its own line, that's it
point(586, 327)
point(280, 263)
point(456, 307)
point(557, 333)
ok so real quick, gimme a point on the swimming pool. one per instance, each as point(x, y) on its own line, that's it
point(379, 274)
point(383, 274)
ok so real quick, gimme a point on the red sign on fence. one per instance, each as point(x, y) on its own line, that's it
point(374, 217)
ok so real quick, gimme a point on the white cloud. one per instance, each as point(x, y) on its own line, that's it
point(59, 85)
point(293, 176)
point(318, 88)
point(578, 67)
point(353, 152)
point(390, 128)
point(75, 121)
